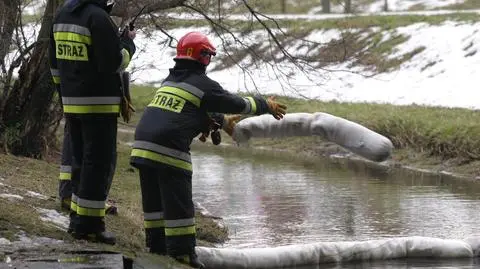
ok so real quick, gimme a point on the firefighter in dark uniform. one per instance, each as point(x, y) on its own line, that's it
point(65, 176)
point(179, 111)
point(87, 55)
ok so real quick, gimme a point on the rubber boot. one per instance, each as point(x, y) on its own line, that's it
point(100, 237)
point(155, 240)
point(111, 209)
point(65, 204)
point(92, 230)
point(191, 260)
point(71, 225)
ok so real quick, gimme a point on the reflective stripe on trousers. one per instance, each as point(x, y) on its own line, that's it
point(85, 207)
point(153, 220)
point(65, 172)
point(180, 227)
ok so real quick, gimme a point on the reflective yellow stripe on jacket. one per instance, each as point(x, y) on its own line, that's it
point(84, 105)
point(172, 96)
point(71, 41)
point(161, 154)
point(250, 106)
point(55, 75)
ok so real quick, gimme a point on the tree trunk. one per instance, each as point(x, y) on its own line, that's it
point(9, 12)
point(385, 6)
point(348, 6)
point(326, 6)
point(29, 113)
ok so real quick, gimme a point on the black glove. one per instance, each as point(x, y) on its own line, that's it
point(127, 43)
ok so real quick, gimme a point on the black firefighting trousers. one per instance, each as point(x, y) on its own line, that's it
point(65, 184)
point(168, 210)
point(93, 141)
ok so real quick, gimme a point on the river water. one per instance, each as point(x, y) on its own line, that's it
point(271, 203)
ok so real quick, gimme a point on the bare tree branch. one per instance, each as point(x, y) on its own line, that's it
point(126, 8)
point(153, 20)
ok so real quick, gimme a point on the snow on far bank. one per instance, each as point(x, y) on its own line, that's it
point(402, 5)
point(442, 75)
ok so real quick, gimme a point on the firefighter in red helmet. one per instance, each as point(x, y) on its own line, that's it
point(182, 108)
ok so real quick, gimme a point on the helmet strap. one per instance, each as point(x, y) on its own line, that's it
point(109, 6)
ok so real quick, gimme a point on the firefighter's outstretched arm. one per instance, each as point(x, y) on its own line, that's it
point(111, 53)
point(222, 101)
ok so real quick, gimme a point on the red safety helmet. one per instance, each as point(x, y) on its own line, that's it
point(195, 46)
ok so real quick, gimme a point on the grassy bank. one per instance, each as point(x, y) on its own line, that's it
point(20, 175)
point(441, 139)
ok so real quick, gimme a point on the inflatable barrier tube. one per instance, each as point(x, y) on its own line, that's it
point(339, 252)
point(350, 135)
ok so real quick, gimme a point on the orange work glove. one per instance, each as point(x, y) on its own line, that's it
point(126, 110)
point(229, 123)
point(276, 109)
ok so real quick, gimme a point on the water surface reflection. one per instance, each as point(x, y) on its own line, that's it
point(267, 203)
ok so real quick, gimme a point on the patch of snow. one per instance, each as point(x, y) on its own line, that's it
point(129, 143)
point(37, 195)
point(397, 5)
point(204, 212)
point(24, 239)
point(393, 6)
point(53, 216)
point(4, 241)
point(10, 196)
point(34, 7)
point(448, 82)
point(202, 209)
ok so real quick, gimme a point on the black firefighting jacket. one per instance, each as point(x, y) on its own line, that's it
point(179, 112)
point(86, 55)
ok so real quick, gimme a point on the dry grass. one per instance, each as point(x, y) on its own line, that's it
point(429, 137)
point(19, 175)
point(443, 132)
